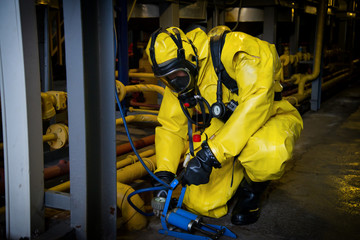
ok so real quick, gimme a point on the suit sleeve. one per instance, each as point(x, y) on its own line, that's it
point(171, 136)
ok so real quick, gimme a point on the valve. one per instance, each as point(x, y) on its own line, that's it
point(62, 135)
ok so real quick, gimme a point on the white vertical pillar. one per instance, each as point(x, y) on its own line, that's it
point(21, 114)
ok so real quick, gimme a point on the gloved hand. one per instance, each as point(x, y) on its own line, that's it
point(165, 176)
point(199, 168)
point(158, 201)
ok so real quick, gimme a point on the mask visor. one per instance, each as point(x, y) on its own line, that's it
point(178, 80)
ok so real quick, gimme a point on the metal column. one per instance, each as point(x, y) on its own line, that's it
point(91, 107)
point(45, 58)
point(270, 24)
point(294, 38)
point(22, 124)
point(122, 30)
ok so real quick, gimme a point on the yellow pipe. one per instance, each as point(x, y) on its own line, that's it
point(150, 162)
point(2, 210)
point(132, 219)
point(145, 88)
point(133, 158)
point(46, 138)
point(138, 118)
point(122, 89)
point(131, 109)
point(303, 78)
point(61, 187)
point(141, 75)
point(49, 137)
point(138, 75)
point(295, 99)
point(136, 170)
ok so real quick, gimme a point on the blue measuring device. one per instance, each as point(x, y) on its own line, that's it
point(187, 221)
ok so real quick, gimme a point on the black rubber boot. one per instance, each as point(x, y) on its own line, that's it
point(247, 208)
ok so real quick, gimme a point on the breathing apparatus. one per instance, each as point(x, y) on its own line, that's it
point(218, 109)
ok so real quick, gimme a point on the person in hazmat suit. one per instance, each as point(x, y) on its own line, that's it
point(246, 131)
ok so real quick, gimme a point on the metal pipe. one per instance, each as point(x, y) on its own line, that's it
point(138, 118)
point(63, 187)
point(150, 162)
point(135, 171)
point(301, 78)
point(144, 105)
point(46, 138)
point(138, 74)
point(133, 158)
point(131, 109)
point(295, 99)
point(49, 137)
point(145, 88)
point(131, 218)
point(122, 90)
point(143, 142)
point(141, 75)
point(57, 170)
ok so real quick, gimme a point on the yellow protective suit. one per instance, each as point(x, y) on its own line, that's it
point(260, 134)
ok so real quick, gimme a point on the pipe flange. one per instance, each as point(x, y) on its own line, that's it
point(62, 133)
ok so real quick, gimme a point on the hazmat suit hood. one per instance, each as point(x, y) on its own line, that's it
point(171, 50)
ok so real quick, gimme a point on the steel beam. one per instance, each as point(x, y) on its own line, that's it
point(91, 108)
point(60, 200)
point(21, 116)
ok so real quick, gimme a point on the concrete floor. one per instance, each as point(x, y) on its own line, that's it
point(319, 195)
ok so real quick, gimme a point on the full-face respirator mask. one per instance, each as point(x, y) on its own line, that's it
point(178, 74)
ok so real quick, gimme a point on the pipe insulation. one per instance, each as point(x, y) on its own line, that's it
point(143, 142)
point(135, 171)
point(132, 219)
point(138, 118)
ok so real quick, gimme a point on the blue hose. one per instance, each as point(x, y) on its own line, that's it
point(165, 185)
point(141, 191)
point(133, 146)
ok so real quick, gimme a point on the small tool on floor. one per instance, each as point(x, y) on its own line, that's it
point(186, 221)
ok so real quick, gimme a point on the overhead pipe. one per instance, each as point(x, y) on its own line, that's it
point(301, 79)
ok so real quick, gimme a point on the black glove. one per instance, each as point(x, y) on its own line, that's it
point(199, 168)
point(165, 176)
